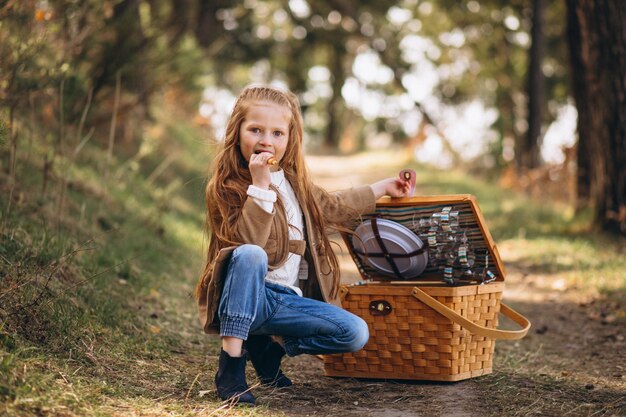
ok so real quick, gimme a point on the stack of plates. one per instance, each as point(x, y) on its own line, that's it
point(398, 240)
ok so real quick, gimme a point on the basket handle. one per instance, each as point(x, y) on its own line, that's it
point(473, 327)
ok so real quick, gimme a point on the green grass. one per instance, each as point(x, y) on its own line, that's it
point(81, 292)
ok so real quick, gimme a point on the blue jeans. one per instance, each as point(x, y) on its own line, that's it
point(252, 306)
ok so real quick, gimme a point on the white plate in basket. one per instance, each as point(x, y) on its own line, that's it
point(398, 239)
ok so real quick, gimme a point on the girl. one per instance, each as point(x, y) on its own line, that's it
point(271, 278)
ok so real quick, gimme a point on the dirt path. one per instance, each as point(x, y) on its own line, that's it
point(574, 332)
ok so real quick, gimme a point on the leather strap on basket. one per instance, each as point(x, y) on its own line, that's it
point(473, 327)
point(385, 253)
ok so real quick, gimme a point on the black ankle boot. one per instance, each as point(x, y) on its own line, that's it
point(230, 379)
point(265, 356)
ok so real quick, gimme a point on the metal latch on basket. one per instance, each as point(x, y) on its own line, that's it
point(380, 308)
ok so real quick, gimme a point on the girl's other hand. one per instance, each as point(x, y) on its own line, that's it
point(260, 170)
point(393, 187)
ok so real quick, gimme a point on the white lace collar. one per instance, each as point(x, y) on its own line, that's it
point(277, 178)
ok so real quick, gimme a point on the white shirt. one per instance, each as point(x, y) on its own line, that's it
point(287, 274)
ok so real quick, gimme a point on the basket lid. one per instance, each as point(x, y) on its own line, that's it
point(460, 247)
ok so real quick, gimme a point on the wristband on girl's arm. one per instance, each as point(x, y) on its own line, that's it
point(264, 198)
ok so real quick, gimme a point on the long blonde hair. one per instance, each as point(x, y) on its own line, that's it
point(226, 190)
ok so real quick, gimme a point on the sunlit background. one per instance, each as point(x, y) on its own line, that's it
point(467, 125)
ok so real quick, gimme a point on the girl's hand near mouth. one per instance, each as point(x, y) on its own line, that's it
point(260, 169)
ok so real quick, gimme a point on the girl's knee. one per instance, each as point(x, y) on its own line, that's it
point(251, 255)
point(248, 263)
point(357, 335)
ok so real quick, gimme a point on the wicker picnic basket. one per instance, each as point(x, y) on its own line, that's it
point(425, 329)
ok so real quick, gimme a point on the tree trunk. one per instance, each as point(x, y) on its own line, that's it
point(208, 28)
point(536, 89)
point(602, 50)
point(331, 141)
point(128, 41)
point(179, 20)
point(579, 92)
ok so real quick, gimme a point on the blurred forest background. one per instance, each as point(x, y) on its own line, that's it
point(487, 85)
point(109, 113)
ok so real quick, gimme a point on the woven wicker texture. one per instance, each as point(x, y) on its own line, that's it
point(416, 342)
